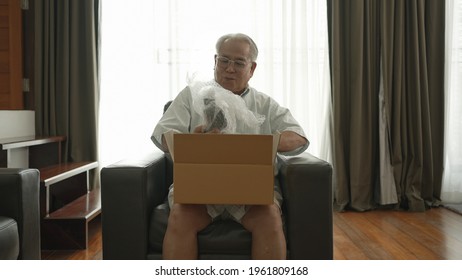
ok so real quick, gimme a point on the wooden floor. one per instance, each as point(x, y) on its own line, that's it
point(397, 235)
point(94, 251)
point(377, 235)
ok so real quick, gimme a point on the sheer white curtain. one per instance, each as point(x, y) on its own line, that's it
point(149, 48)
point(452, 179)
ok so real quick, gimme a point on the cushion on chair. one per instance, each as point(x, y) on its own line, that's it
point(9, 239)
point(220, 237)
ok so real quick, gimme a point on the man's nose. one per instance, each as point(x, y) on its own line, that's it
point(230, 67)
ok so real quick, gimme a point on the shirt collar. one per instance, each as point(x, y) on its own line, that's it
point(245, 92)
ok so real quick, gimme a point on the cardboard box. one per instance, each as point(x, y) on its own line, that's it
point(223, 168)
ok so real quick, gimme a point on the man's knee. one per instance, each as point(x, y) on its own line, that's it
point(263, 217)
point(186, 217)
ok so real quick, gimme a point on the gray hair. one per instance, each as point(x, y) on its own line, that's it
point(243, 37)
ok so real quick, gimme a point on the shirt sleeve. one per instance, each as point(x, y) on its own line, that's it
point(177, 118)
point(281, 120)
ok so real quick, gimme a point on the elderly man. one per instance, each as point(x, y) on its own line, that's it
point(235, 63)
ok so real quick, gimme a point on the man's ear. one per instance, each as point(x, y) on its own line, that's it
point(252, 68)
point(215, 61)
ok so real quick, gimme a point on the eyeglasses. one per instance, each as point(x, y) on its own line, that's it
point(223, 62)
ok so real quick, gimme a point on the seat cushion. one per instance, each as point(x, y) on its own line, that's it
point(9, 239)
point(219, 238)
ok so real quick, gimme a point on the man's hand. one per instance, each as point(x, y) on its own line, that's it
point(201, 129)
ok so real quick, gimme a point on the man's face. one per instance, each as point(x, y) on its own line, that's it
point(234, 76)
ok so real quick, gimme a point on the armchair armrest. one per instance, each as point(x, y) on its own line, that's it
point(306, 183)
point(130, 189)
point(19, 200)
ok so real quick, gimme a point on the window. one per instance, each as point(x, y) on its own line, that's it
point(149, 49)
point(452, 182)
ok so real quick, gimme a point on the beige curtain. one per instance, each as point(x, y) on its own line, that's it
point(394, 48)
point(66, 74)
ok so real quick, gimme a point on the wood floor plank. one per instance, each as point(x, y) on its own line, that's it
point(368, 237)
point(431, 235)
point(353, 239)
point(424, 229)
point(343, 244)
point(448, 222)
point(392, 230)
point(389, 238)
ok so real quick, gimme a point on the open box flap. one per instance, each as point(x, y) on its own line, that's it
point(169, 138)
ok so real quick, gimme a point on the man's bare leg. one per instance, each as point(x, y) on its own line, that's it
point(265, 224)
point(184, 222)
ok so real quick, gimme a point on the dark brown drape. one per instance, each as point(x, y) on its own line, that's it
point(355, 84)
point(66, 75)
point(413, 56)
point(387, 65)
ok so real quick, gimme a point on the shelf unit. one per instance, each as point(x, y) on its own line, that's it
point(67, 202)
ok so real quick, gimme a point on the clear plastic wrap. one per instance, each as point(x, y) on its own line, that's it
point(223, 110)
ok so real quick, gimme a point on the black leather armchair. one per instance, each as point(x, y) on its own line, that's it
point(135, 211)
point(19, 214)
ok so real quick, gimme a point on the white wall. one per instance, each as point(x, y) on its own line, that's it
point(16, 123)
